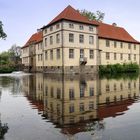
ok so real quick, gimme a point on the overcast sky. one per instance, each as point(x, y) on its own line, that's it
point(21, 18)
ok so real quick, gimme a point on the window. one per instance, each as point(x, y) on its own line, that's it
point(107, 43)
point(58, 93)
point(82, 92)
point(57, 38)
point(129, 85)
point(81, 38)
point(134, 84)
point(91, 105)
point(71, 94)
point(38, 57)
point(107, 88)
point(51, 28)
point(115, 87)
point(71, 37)
point(91, 39)
point(41, 57)
point(91, 91)
point(58, 54)
point(45, 31)
point(51, 40)
point(71, 108)
point(107, 55)
point(91, 28)
point(46, 91)
point(51, 54)
point(81, 107)
point(91, 54)
point(134, 46)
point(121, 86)
point(57, 26)
point(81, 53)
point(46, 55)
point(121, 44)
point(121, 56)
point(129, 56)
point(71, 53)
point(45, 42)
point(115, 44)
point(71, 25)
point(52, 91)
point(129, 46)
point(134, 56)
point(115, 56)
point(81, 27)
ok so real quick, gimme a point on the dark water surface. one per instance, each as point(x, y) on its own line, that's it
point(58, 107)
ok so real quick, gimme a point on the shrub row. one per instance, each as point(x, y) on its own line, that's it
point(7, 69)
point(118, 68)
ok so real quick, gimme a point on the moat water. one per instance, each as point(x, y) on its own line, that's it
point(69, 107)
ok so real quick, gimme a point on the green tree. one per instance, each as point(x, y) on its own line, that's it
point(4, 58)
point(98, 16)
point(2, 33)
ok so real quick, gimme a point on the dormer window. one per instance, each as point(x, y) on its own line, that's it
point(51, 28)
point(57, 26)
point(71, 25)
point(45, 31)
point(91, 28)
point(107, 43)
point(81, 27)
point(129, 46)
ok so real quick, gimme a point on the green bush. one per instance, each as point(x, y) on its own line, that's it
point(118, 68)
point(7, 69)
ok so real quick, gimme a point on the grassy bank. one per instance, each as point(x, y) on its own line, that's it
point(118, 68)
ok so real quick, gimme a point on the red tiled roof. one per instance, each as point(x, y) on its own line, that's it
point(35, 38)
point(114, 110)
point(116, 33)
point(69, 13)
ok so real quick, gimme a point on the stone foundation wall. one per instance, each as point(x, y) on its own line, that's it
point(71, 69)
point(39, 69)
point(53, 69)
point(66, 70)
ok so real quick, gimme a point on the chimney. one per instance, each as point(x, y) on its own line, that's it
point(114, 24)
point(39, 30)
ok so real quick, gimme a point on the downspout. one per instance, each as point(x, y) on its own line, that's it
point(98, 53)
point(43, 54)
point(62, 45)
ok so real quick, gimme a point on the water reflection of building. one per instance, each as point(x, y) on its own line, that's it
point(76, 102)
point(69, 101)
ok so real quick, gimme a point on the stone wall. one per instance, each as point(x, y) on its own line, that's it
point(71, 69)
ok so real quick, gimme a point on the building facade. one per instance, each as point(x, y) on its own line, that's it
point(32, 53)
point(71, 43)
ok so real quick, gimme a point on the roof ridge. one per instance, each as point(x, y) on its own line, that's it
point(71, 14)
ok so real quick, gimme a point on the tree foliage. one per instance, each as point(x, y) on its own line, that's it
point(15, 50)
point(98, 15)
point(10, 60)
point(5, 58)
point(2, 33)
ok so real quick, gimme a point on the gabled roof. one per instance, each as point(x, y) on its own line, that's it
point(116, 33)
point(69, 13)
point(35, 38)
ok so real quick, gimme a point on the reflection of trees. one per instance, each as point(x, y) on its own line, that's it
point(127, 76)
point(13, 84)
point(3, 129)
point(95, 127)
point(16, 86)
point(6, 81)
